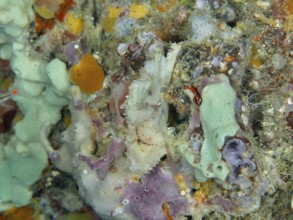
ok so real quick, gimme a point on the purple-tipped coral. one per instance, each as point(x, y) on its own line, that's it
point(145, 199)
point(233, 153)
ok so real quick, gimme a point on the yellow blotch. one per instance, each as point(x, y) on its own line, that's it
point(135, 178)
point(179, 178)
point(6, 83)
point(74, 23)
point(67, 121)
point(114, 11)
point(45, 12)
point(87, 74)
point(17, 118)
point(138, 11)
point(288, 24)
point(255, 61)
point(241, 25)
point(47, 9)
point(76, 216)
point(201, 193)
point(108, 24)
point(167, 6)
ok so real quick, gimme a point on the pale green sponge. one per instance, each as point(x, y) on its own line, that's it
point(42, 91)
point(217, 116)
point(20, 166)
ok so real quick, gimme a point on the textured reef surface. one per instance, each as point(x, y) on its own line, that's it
point(154, 110)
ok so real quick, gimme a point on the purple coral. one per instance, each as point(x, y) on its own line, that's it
point(103, 164)
point(145, 199)
point(233, 153)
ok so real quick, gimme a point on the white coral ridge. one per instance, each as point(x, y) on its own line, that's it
point(147, 112)
point(42, 90)
point(77, 140)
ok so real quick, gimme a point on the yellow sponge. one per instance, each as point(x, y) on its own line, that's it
point(74, 23)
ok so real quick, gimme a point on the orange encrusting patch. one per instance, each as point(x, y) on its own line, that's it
point(201, 193)
point(289, 7)
point(63, 9)
point(23, 213)
point(165, 208)
point(229, 59)
point(87, 74)
point(43, 24)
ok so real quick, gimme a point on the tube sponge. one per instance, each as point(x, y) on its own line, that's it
point(217, 116)
point(218, 121)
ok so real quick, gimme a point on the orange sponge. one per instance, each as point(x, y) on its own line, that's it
point(87, 74)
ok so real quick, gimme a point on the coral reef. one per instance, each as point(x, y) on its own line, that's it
point(146, 109)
